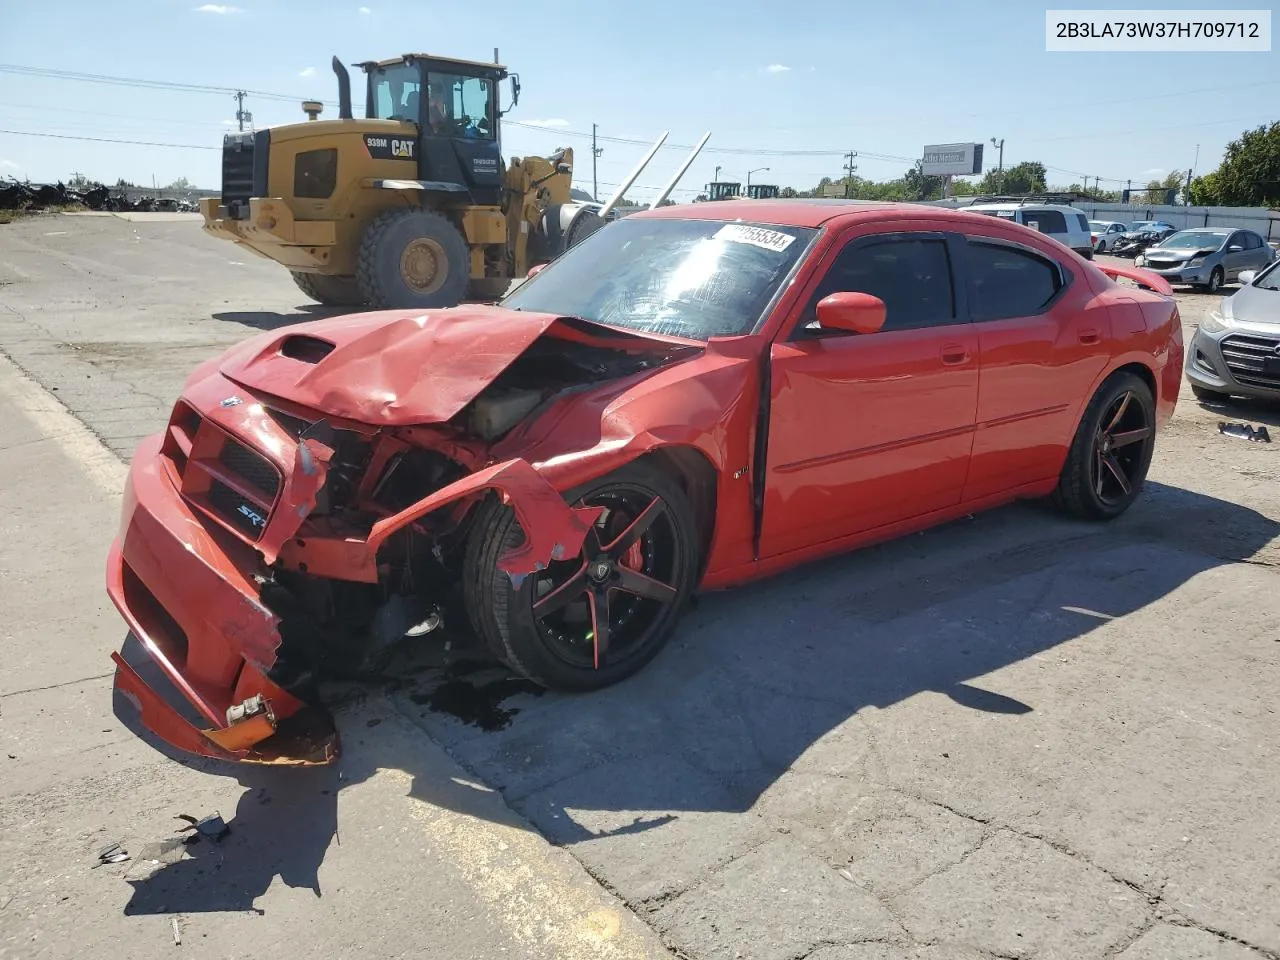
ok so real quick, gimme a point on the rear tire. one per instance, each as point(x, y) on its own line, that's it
point(557, 646)
point(1111, 452)
point(331, 291)
point(413, 259)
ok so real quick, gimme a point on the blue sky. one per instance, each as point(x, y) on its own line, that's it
point(820, 75)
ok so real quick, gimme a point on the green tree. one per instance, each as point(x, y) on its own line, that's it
point(1249, 175)
point(1205, 191)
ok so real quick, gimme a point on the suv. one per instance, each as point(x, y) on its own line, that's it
point(1067, 225)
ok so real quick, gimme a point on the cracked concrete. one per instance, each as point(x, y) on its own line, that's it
point(1015, 736)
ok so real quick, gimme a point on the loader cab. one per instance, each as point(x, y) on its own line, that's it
point(455, 106)
point(723, 190)
point(762, 191)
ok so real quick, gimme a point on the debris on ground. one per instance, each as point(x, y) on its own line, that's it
point(1245, 431)
point(212, 828)
point(115, 853)
point(177, 934)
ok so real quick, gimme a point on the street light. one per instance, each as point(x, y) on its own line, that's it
point(750, 172)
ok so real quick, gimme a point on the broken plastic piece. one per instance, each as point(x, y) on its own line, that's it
point(115, 853)
point(212, 828)
point(1245, 431)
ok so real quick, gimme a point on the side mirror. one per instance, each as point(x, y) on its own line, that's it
point(851, 312)
point(534, 271)
point(1247, 276)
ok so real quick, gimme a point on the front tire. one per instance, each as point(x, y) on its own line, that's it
point(1215, 281)
point(1111, 452)
point(331, 291)
point(413, 259)
point(593, 620)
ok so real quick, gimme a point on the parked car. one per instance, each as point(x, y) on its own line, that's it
point(1140, 235)
point(1105, 233)
point(692, 398)
point(1236, 349)
point(1065, 224)
point(1206, 256)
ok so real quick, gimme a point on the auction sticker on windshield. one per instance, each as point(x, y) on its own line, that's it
point(756, 236)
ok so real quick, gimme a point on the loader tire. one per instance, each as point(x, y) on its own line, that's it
point(331, 291)
point(413, 259)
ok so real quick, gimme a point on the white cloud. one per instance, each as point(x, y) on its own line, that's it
point(777, 68)
point(218, 8)
point(1155, 172)
point(365, 10)
point(228, 123)
point(309, 72)
point(9, 165)
point(550, 122)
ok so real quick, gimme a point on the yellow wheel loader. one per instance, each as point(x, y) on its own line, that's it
point(410, 206)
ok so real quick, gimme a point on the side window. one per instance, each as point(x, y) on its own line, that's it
point(1237, 240)
point(912, 277)
point(1007, 282)
point(1084, 224)
point(1046, 221)
point(459, 106)
point(1252, 241)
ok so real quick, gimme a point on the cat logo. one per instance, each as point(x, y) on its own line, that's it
point(402, 148)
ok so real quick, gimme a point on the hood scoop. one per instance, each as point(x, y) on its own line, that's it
point(306, 349)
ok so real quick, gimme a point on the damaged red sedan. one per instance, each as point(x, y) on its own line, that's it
point(693, 397)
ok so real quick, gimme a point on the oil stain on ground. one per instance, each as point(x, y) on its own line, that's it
point(478, 705)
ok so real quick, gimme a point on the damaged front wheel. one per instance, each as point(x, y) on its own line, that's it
point(589, 621)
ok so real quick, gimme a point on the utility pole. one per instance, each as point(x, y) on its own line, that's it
point(717, 176)
point(595, 152)
point(849, 167)
point(243, 116)
point(1000, 163)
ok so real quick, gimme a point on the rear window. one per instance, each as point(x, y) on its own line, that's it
point(1046, 221)
point(1084, 224)
point(1008, 282)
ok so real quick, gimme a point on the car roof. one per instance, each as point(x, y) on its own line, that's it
point(1032, 207)
point(806, 212)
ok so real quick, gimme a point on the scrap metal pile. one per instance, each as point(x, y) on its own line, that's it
point(20, 195)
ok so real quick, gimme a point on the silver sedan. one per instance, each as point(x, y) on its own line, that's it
point(1236, 349)
point(1207, 257)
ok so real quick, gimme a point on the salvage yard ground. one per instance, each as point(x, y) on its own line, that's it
point(1015, 736)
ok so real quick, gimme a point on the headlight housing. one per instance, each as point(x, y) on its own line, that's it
point(1196, 262)
point(1139, 260)
point(1217, 319)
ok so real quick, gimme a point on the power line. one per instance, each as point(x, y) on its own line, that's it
point(136, 143)
point(137, 82)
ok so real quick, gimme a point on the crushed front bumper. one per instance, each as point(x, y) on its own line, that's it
point(189, 586)
point(187, 592)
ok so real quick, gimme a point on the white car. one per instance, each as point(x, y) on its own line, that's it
point(1065, 224)
point(1105, 233)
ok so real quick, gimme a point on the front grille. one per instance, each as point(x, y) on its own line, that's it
point(240, 512)
point(1253, 360)
point(251, 466)
point(244, 170)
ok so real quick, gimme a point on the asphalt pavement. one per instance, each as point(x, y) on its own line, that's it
point(1014, 736)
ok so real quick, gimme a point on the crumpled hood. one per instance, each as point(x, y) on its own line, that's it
point(387, 367)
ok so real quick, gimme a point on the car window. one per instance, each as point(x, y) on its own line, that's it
point(1252, 241)
point(1084, 224)
point(1046, 221)
point(912, 277)
point(1007, 282)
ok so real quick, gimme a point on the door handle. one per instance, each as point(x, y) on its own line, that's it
point(1089, 336)
point(954, 353)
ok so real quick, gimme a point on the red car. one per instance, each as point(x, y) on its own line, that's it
point(694, 397)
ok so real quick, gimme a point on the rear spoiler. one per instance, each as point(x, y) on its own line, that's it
point(1143, 278)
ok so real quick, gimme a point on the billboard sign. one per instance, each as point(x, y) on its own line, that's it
point(952, 159)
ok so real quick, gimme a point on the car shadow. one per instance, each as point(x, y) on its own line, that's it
point(1240, 409)
point(755, 683)
point(274, 319)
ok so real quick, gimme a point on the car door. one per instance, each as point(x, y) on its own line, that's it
point(1235, 257)
point(1042, 339)
point(1256, 249)
point(866, 430)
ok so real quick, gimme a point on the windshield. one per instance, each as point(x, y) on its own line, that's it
point(1142, 225)
point(1269, 279)
point(1194, 240)
point(395, 92)
point(687, 278)
point(1098, 225)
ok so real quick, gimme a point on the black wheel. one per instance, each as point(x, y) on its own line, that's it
point(1215, 280)
point(593, 620)
point(1109, 457)
point(331, 291)
point(414, 259)
point(1207, 396)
